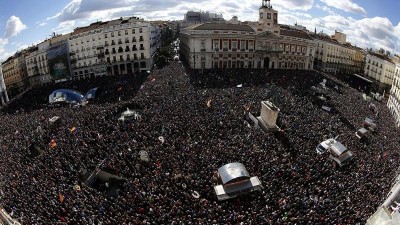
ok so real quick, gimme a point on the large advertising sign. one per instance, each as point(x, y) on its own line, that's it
point(58, 61)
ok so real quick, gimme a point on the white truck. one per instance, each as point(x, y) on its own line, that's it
point(337, 152)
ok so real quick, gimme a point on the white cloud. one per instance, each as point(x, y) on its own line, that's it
point(377, 32)
point(92, 10)
point(346, 5)
point(293, 4)
point(42, 24)
point(3, 53)
point(14, 26)
point(367, 32)
point(325, 8)
point(64, 27)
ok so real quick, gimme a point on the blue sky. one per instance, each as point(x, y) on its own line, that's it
point(367, 23)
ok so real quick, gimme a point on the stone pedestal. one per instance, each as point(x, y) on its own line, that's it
point(268, 116)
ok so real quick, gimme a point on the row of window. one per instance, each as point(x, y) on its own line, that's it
point(117, 69)
point(37, 59)
point(107, 52)
point(119, 33)
point(114, 59)
point(106, 43)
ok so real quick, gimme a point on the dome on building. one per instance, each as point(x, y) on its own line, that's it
point(65, 95)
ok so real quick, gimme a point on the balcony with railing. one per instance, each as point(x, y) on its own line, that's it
point(269, 49)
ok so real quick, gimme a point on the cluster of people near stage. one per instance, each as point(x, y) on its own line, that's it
point(191, 123)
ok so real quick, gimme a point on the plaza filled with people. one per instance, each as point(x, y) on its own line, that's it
point(191, 123)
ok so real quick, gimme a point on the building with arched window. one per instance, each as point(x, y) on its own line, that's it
point(262, 45)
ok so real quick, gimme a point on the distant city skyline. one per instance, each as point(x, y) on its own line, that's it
point(373, 24)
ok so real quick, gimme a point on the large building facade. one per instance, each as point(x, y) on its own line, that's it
point(14, 71)
point(122, 46)
point(37, 66)
point(3, 90)
point(380, 68)
point(37, 62)
point(334, 57)
point(394, 98)
point(260, 45)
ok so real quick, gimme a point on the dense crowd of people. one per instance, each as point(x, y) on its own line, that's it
point(191, 123)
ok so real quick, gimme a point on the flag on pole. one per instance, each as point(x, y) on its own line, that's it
point(53, 143)
point(209, 103)
point(60, 197)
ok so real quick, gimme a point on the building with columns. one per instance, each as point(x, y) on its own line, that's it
point(122, 46)
point(3, 90)
point(253, 45)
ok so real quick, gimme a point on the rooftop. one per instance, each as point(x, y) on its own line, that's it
point(384, 57)
point(222, 26)
point(100, 24)
point(295, 33)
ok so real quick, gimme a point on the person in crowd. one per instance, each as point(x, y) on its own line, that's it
point(176, 185)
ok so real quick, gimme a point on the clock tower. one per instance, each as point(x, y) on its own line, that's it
point(268, 18)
